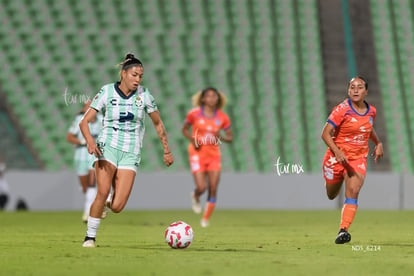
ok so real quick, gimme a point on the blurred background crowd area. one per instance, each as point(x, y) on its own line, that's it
point(284, 64)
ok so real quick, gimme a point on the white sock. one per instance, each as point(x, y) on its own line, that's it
point(89, 198)
point(93, 225)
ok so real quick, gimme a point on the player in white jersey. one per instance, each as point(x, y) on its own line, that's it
point(4, 186)
point(83, 161)
point(117, 152)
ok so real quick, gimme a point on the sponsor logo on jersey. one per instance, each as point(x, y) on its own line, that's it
point(126, 116)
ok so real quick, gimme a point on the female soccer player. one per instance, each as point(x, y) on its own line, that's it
point(124, 105)
point(206, 122)
point(4, 186)
point(83, 160)
point(346, 133)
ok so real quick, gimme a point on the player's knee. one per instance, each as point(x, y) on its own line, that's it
point(201, 189)
point(101, 196)
point(331, 196)
point(117, 208)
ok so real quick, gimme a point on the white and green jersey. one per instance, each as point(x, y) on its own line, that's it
point(94, 127)
point(81, 152)
point(123, 123)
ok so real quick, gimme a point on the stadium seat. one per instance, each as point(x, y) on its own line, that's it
point(391, 89)
point(240, 47)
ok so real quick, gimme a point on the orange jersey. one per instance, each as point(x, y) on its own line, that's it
point(205, 131)
point(352, 129)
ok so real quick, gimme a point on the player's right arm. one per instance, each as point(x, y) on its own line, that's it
point(71, 138)
point(378, 150)
point(326, 136)
point(189, 120)
point(84, 127)
point(186, 132)
point(72, 135)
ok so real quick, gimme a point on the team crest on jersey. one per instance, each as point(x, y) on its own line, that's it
point(371, 121)
point(218, 122)
point(139, 102)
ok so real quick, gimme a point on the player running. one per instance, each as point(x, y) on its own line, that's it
point(206, 122)
point(346, 133)
point(82, 159)
point(117, 152)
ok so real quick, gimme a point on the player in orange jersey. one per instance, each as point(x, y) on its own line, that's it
point(206, 122)
point(346, 133)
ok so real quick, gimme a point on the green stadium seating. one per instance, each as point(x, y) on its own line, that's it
point(248, 49)
point(391, 89)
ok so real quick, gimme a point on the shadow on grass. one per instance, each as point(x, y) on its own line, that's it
point(192, 249)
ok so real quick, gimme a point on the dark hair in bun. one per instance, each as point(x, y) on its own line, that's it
point(130, 61)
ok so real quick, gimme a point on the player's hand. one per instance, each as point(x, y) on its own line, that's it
point(94, 149)
point(168, 159)
point(340, 157)
point(196, 145)
point(378, 152)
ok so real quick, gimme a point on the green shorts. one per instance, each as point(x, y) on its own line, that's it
point(120, 159)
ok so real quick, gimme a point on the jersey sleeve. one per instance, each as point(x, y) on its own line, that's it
point(337, 115)
point(226, 122)
point(189, 119)
point(150, 104)
point(99, 101)
point(74, 127)
point(374, 111)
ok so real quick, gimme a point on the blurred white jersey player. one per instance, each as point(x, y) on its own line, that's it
point(4, 187)
point(83, 161)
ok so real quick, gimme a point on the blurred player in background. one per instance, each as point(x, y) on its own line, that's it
point(4, 186)
point(206, 122)
point(83, 161)
point(117, 152)
point(346, 133)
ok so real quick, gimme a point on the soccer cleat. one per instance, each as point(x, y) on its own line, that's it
point(107, 206)
point(85, 217)
point(195, 204)
point(89, 242)
point(204, 223)
point(343, 237)
point(105, 212)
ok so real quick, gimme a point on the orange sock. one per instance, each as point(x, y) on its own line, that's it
point(348, 212)
point(211, 203)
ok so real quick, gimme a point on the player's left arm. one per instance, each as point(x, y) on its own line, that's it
point(378, 150)
point(162, 134)
point(228, 136)
point(228, 133)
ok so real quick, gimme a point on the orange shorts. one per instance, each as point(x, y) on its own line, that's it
point(334, 172)
point(199, 163)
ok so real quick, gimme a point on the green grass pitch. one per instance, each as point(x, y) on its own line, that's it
point(236, 243)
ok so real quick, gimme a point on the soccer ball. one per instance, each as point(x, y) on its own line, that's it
point(179, 235)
